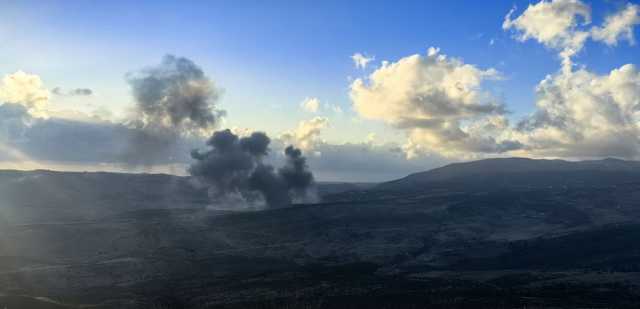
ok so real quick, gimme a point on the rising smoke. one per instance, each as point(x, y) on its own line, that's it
point(235, 169)
point(173, 99)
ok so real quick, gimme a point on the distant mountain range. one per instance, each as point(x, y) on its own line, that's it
point(513, 172)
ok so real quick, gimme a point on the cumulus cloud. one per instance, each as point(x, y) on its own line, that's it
point(433, 98)
point(553, 23)
point(423, 89)
point(25, 89)
point(361, 61)
point(579, 113)
point(307, 134)
point(618, 26)
point(310, 104)
point(562, 25)
point(473, 140)
point(234, 168)
point(583, 114)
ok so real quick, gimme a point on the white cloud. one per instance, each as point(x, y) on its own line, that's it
point(582, 114)
point(472, 140)
point(361, 61)
point(422, 88)
point(562, 25)
point(25, 89)
point(307, 135)
point(432, 51)
point(555, 24)
point(334, 108)
point(310, 104)
point(618, 26)
point(434, 99)
point(579, 113)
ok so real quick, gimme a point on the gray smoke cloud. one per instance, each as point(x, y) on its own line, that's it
point(235, 169)
point(177, 94)
point(174, 99)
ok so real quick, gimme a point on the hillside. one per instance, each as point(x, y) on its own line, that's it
point(105, 240)
point(512, 172)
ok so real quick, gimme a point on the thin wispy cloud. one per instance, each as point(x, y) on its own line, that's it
point(361, 61)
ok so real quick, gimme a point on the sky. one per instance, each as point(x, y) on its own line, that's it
point(369, 90)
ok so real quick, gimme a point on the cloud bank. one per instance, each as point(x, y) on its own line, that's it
point(443, 106)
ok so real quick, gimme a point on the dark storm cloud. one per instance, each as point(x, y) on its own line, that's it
point(235, 169)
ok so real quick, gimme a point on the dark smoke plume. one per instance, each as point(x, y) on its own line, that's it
point(295, 171)
point(175, 94)
point(173, 99)
point(235, 170)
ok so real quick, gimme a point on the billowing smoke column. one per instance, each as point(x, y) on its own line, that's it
point(173, 99)
point(235, 170)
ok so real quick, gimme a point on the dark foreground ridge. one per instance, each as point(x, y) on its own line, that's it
point(499, 233)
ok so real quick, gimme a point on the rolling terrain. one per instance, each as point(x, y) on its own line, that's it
point(498, 233)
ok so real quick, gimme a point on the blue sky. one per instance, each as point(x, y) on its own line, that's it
point(268, 56)
point(277, 52)
point(297, 41)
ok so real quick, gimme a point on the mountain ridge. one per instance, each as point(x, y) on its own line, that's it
point(518, 169)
